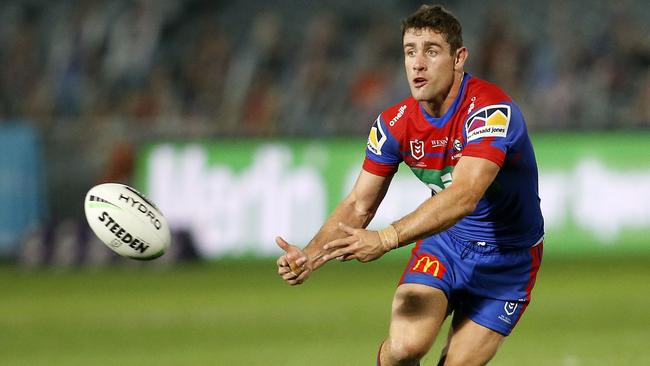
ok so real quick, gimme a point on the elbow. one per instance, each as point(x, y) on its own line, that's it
point(466, 203)
point(467, 208)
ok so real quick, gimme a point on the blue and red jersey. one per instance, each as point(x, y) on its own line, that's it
point(483, 122)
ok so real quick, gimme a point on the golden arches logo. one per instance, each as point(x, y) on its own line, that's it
point(429, 264)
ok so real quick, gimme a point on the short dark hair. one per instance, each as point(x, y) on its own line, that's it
point(438, 19)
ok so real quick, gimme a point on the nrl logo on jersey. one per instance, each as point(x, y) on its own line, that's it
point(377, 137)
point(491, 121)
point(417, 149)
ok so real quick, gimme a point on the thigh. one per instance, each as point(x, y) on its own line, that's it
point(470, 343)
point(417, 314)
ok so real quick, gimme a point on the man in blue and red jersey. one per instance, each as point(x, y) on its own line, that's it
point(478, 237)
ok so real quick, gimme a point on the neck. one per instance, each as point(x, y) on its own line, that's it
point(439, 106)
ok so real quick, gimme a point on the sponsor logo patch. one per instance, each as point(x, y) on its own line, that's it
point(377, 137)
point(439, 143)
point(458, 146)
point(491, 121)
point(417, 149)
point(429, 264)
point(399, 115)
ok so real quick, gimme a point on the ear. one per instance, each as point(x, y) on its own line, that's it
point(461, 56)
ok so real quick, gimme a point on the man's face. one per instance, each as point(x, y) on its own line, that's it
point(429, 64)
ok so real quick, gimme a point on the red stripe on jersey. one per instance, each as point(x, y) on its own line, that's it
point(486, 151)
point(536, 254)
point(382, 170)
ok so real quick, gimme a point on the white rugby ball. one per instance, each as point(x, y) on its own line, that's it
point(126, 221)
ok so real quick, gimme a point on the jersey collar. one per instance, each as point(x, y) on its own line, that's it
point(440, 121)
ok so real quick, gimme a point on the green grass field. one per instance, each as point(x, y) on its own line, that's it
point(237, 312)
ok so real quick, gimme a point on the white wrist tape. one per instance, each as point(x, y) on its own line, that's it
point(388, 237)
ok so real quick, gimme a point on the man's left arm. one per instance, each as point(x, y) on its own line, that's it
point(471, 178)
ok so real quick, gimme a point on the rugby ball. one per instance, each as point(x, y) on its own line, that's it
point(126, 221)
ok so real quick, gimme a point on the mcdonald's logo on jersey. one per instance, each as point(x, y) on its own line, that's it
point(429, 264)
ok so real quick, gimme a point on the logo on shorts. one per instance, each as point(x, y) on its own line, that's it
point(429, 264)
point(510, 307)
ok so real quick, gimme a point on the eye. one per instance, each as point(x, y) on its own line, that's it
point(409, 52)
point(431, 52)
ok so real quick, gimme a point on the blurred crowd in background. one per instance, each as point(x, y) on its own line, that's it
point(95, 78)
point(260, 68)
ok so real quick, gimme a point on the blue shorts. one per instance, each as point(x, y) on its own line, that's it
point(490, 284)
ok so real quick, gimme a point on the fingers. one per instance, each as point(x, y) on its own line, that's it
point(289, 276)
point(294, 258)
point(339, 243)
point(283, 266)
point(282, 244)
point(345, 258)
point(344, 250)
point(286, 264)
point(291, 265)
point(343, 254)
point(292, 278)
point(347, 229)
point(282, 261)
point(298, 265)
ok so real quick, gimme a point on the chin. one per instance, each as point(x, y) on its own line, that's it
point(421, 95)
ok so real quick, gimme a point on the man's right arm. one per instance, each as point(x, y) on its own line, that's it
point(356, 211)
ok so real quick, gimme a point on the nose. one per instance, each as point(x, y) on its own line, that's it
point(419, 64)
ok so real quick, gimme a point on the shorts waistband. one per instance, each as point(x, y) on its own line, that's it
point(482, 247)
point(486, 248)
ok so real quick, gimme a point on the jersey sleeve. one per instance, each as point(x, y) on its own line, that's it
point(382, 152)
point(492, 130)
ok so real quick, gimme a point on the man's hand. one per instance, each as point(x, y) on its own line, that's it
point(293, 266)
point(360, 244)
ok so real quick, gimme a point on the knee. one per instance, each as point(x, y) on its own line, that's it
point(406, 350)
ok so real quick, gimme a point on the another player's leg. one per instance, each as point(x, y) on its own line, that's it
point(417, 314)
point(469, 343)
